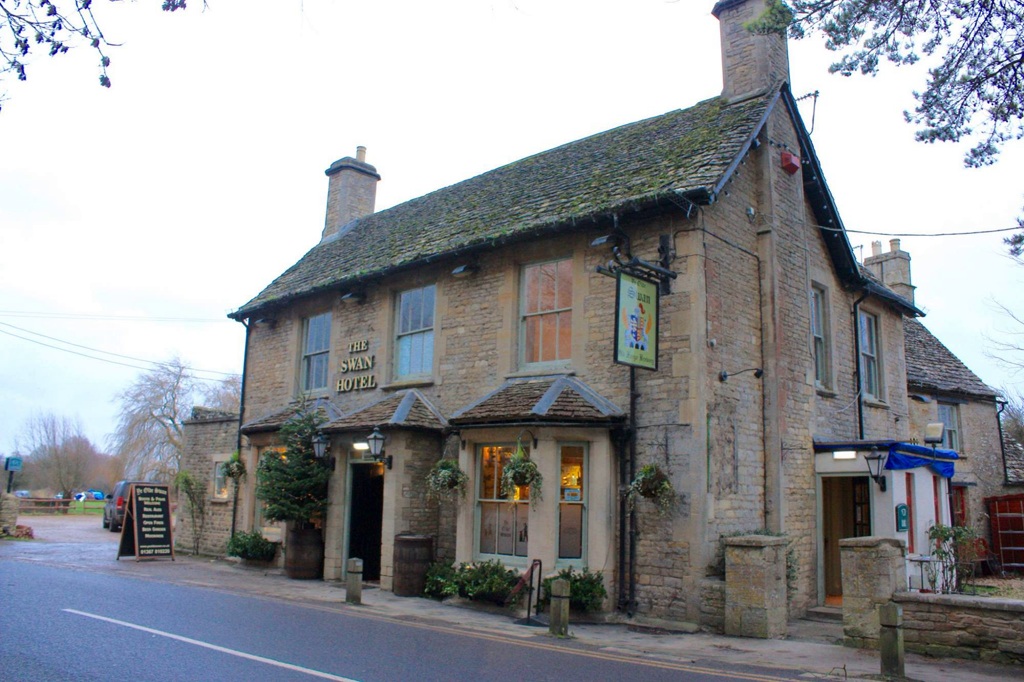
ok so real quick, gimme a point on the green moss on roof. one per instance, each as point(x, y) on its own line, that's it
point(686, 150)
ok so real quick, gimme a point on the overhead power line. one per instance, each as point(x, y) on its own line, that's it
point(151, 363)
point(107, 318)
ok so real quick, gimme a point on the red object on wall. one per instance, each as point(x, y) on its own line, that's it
point(790, 162)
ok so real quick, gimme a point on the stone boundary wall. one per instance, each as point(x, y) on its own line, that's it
point(712, 604)
point(963, 626)
point(9, 511)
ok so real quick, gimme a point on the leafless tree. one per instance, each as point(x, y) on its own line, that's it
point(1008, 348)
point(1013, 415)
point(58, 456)
point(148, 439)
point(29, 28)
point(222, 395)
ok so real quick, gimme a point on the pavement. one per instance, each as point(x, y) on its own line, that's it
point(812, 649)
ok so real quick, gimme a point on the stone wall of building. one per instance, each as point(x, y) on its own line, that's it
point(738, 452)
point(208, 440)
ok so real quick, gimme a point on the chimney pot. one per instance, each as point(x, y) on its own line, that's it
point(894, 245)
point(876, 248)
point(751, 62)
point(351, 192)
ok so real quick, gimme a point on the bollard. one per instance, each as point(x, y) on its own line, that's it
point(354, 586)
point(890, 640)
point(559, 626)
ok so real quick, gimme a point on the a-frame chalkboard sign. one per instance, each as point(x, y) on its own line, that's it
point(146, 531)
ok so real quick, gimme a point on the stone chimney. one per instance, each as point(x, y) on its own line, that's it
point(750, 62)
point(893, 268)
point(351, 192)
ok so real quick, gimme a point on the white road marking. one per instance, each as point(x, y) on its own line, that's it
point(214, 647)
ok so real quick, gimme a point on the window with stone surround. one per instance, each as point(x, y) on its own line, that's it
point(870, 357)
point(949, 415)
point(414, 337)
point(220, 480)
point(502, 529)
point(316, 351)
point(820, 337)
point(546, 312)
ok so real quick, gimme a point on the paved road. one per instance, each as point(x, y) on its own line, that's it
point(61, 624)
point(75, 547)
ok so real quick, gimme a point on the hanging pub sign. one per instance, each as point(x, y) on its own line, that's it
point(636, 322)
point(146, 530)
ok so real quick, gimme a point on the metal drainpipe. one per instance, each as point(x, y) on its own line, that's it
point(856, 365)
point(620, 446)
point(1002, 443)
point(241, 416)
point(632, 474)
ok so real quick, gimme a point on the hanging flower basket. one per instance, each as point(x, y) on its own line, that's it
point(521, 471)
point(651, 483)
point(446, 481)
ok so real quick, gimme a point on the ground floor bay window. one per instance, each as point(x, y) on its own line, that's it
point(568, 522)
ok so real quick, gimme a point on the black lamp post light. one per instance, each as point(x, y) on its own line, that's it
point(875, 462)
point(321, 446)
point(376, 442)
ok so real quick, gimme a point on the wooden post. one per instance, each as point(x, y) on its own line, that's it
point(354, 587)
point(559, 626)
point(890, 640)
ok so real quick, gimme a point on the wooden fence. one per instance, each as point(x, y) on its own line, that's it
point(44, 505)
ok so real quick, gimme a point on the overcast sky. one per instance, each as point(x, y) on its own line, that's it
point(132, 220)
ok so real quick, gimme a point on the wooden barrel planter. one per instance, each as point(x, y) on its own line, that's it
point(413, 556)
point(304, 554)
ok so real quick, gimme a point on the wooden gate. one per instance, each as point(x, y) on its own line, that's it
point(1006, 518)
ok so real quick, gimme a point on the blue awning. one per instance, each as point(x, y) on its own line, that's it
point(910, 456)
point(901, 455)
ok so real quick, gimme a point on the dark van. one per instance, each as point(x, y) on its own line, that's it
point(113, 510)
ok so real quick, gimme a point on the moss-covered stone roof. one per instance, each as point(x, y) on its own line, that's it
point(686, 151)
point(543, 399)
point(933, 367)
point(405, 409)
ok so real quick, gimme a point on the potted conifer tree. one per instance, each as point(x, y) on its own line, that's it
point(293, 484)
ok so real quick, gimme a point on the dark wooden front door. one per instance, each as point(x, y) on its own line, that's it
point(846, 513)
point(366, 506)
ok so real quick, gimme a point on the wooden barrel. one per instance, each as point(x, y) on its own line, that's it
point(304, 554)
point(413, 556)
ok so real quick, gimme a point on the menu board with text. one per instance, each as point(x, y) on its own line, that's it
point(146, 531)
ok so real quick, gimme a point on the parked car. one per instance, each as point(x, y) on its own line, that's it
point(22, 493)
point(113, 510)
